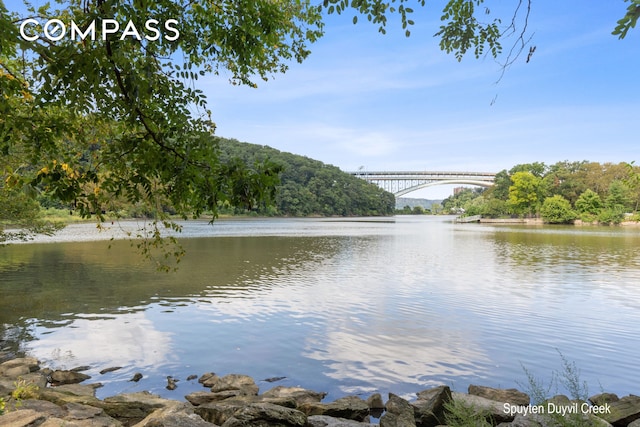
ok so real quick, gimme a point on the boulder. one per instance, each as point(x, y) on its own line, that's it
point(43, 407)
point(218, 412)
point(133, 407)
point(78, 411)
point(19, 367)
point(79, 389)
point(266, 414)
point(602, 398)
point(24, 418)
point(205, 377)
point(376, 405)
point(510, 395)
point(201, 397)
point(399, 413)
point(325, 421)
point(59, 377)
point(493, 409)
point(623, 411)
point(375, 401)
point(429, 408)
point(178, 415)
point(61, 398)
point(299, 395)
point(349, 407)
point(244, 383)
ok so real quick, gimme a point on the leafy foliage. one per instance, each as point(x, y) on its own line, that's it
point(525, 193)
point(93, 123)
point(629, 20)
point(562, 187)
point(464, 31)
point(557, 210)
point(589, 203)
point(309, 187)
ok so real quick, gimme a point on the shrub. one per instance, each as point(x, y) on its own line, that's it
point(611, 216)
point(557, 210)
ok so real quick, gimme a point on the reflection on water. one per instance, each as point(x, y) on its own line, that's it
point(339, 306)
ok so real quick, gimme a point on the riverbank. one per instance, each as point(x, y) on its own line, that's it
point(539, 221)
point(31, 395)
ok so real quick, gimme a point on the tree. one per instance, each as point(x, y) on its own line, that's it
point(97, 113)
point(589, 203)
point(118, 117)
point(557, 210)
point(566, 179)
point(618, 198)
point(525, 193)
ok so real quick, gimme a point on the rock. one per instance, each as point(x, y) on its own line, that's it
point(602, 398)
point(376, 405)
point(552, 414)
point(136, 377)
point(19, 367)
point(218, 412)
point(623, 411)
point(266, 414)
point(375, 401)
point(133, 407)
point(510, 395)
point(494, 410)
point(350, 407)
point(399, 413)
point(429, 408)
point(79, 389)
point(201, 397)
point(61, 397)
point(171, 383)
point(67, 377)
point(25, 418)
point(325, 421)
point(43, 407)
point(78, 411)
point(232, 382)
point(300, 395)
point(205, 377)
point(178, 415)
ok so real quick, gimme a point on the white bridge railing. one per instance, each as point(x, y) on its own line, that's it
point(403, 182)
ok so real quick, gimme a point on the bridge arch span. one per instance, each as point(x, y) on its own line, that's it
point(431, 184)
point(404, 182)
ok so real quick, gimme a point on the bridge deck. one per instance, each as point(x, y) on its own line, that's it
point(403, 182)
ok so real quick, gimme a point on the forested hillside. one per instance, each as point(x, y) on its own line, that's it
point(310, 187)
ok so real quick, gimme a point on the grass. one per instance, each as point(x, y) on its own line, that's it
point(460, 414)
point(566, 380)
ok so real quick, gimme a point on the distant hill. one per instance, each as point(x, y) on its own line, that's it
point(401, 202)
point(310, 187)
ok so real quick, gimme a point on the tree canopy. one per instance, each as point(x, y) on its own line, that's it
point(99, 99)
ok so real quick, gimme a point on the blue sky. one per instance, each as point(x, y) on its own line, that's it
point(387, 102)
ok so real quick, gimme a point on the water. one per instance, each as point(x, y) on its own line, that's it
point(342, 306)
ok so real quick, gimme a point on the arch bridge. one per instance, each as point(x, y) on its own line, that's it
point(401, 183)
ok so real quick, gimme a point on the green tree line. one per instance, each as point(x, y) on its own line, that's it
point(558, 193)
point(265, 181)
point(309, 187)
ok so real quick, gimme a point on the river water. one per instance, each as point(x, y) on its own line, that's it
point(344, 306)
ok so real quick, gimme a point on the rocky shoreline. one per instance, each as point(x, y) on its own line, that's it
point(32, 396)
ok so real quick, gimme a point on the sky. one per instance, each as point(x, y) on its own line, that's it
point(388, 102)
